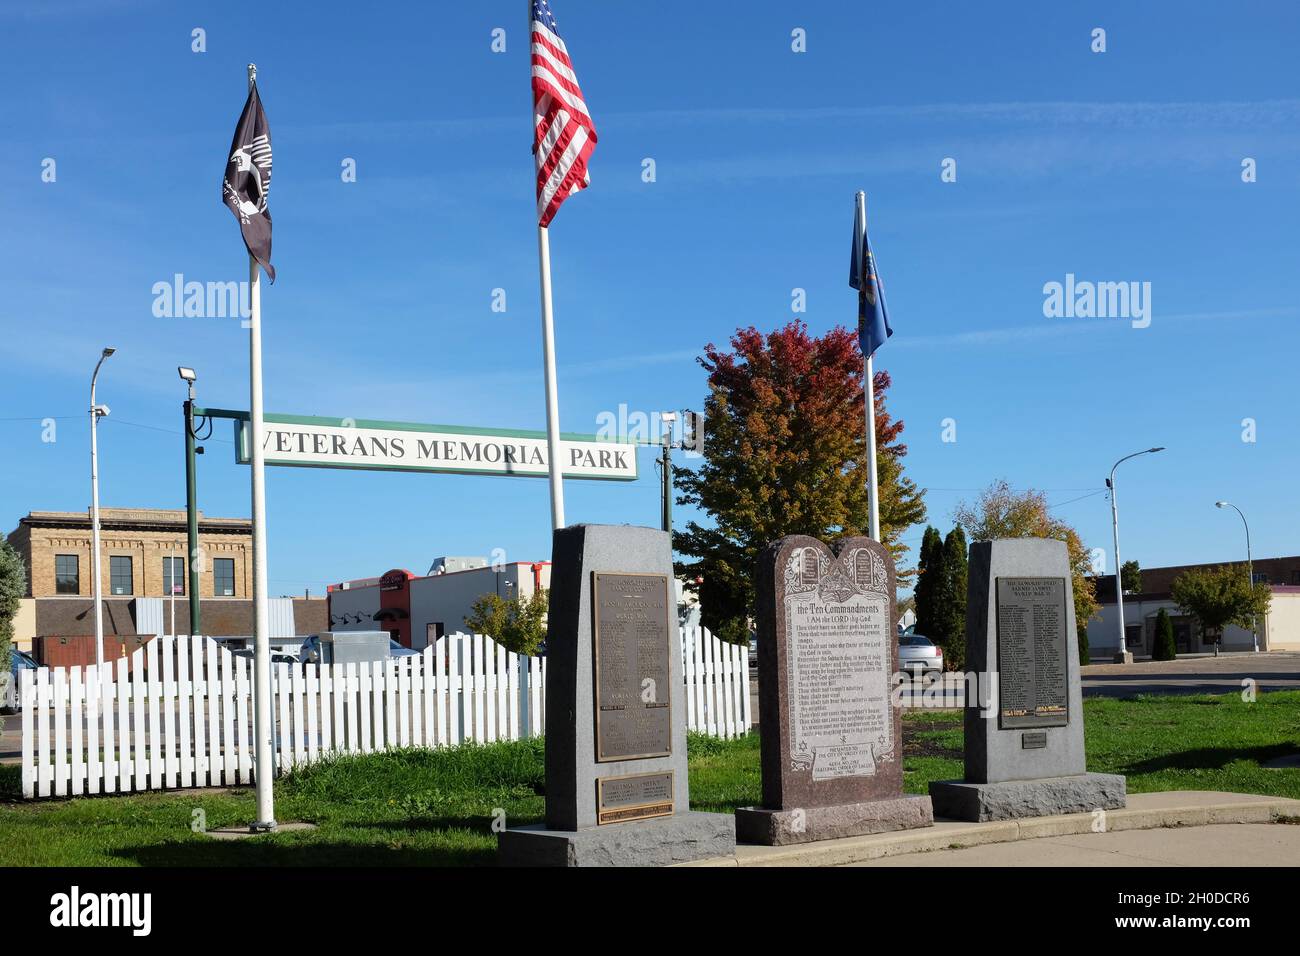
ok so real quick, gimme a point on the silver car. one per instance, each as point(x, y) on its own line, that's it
point(919, 656)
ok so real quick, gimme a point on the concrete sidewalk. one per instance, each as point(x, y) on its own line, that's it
point(1035, 839)
point(1221, 844)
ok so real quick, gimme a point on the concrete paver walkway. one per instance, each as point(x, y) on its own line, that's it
point(1230, 844)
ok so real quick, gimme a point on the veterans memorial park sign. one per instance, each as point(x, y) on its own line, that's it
point(312, 442)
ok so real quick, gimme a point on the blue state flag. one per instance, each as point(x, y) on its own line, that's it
point(873, 317)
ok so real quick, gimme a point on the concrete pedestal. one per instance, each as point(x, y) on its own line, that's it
point(1015, 799)
point(662, 841)
point(808, 824)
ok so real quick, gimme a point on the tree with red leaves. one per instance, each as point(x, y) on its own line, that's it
point(784, 453)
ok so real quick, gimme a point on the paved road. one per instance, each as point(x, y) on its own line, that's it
point(1232, 844)
point(1199, 674)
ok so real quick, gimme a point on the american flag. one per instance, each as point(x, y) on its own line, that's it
point(565, 136)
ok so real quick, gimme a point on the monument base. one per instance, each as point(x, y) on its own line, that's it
point(1123, 657)
point(656, 842)
point(1014, 799)
point(809, 824)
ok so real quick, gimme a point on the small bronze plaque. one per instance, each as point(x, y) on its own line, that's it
point(1034, 740)
point(633, 689)
point(636, 796)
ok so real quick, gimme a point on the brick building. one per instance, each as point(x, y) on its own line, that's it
point(141, 549)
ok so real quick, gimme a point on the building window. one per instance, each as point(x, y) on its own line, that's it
point(223, 577)
point(119, 572)
point(173, 576)
point(1260, 577)
point(67, 577)
point(1295, 577)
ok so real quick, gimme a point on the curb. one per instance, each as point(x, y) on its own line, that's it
point(1178, 808)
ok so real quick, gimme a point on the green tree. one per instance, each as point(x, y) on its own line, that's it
point(1164, 649)
point(929, 583)
point(1000, 511)
point(13, 585)
point(1130, 576)
point(952, 603)
point(784, 453)
point(1220, 596)
point(1084, 657)
point(517, 624)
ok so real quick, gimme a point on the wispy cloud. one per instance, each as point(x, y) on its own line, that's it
point(1135, 114)
point(1061, 328)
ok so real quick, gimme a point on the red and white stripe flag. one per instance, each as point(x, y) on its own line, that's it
point(564, 136)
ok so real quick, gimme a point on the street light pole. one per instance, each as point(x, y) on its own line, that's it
point(1122, 656)
point(191, 503)
point(1250, 567)
point(96, 412)
point(666, 463)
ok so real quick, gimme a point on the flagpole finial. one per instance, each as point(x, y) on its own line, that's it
point(252, 74)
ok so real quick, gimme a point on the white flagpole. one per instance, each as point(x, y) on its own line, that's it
point(552, 397)
point(261, 608)
point(869, 391)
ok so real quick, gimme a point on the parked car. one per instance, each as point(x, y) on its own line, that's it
point(919, 656)
point(397, 650)
point(20, 662)
point(753, 651)
point(309, 653)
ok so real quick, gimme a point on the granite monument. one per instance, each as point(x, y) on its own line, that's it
point(831, 736)
point(1024, 750)
point(617, 791)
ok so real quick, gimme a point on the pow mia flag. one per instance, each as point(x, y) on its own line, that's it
point(248, 180)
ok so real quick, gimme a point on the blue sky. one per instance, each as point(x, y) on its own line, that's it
point(1115, 166)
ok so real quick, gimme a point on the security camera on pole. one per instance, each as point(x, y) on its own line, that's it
point(191, 499)
point(244, 190)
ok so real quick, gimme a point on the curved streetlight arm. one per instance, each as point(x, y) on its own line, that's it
point(1245, 524)
point(1145, 451)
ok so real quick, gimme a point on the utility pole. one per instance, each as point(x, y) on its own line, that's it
point(666, 466)
point(96, 412)
point(1122, 655)
point(191, 503)
point(1250, 568)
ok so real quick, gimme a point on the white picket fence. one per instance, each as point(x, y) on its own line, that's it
point(179, 711)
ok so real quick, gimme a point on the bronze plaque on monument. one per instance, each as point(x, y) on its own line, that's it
point(637, 796)
point(1032, 667)
point(633, 689)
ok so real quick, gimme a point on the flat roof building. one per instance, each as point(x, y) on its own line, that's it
point(416, 611)
point(1279, 630)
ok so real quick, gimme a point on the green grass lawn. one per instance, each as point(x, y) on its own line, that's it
point(418, 807)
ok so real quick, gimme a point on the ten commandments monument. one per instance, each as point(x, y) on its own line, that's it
point(831, 729)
